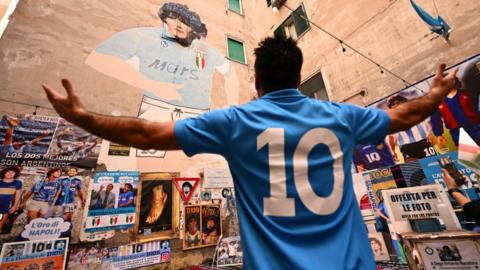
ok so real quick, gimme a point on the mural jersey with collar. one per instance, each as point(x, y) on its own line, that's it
point(295, 197)
point(152, 52)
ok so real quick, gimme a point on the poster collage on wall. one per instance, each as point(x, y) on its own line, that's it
point(53, 201)
point(416, 157)
point(52, 198)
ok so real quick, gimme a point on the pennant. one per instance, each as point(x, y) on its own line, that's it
point(438, 25)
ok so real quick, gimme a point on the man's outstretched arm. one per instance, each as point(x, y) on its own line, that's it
point(129, 131)
point(410, 113)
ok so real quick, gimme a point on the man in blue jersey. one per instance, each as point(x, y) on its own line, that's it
point(10, 189)
point(45, 192)
point(289, 156)
point(127, 197)
point(71, 186)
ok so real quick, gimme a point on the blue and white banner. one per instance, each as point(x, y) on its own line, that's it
point(38, 254)
point(138, 255)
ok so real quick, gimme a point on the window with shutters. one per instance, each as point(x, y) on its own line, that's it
point(236, 50)
point(294, 26)
point(235, 6)
point(314, 87)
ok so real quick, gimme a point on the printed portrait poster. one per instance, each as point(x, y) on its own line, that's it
point(450, 254)
point(379, 248)
point(42, 187)
point(39, 254)
point(113, 201)
point(439, 133)
point(229, 252)
point(193, 233)
point(433, 172)
point(211, 224)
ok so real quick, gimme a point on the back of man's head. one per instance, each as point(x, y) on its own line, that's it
point(278, 64)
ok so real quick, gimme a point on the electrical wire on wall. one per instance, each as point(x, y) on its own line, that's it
point(34, 106)
point(277, 4)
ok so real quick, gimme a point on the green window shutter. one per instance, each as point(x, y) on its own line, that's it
point(301, 25)
point(234, 5)
point(235, 50)
point(280, 32)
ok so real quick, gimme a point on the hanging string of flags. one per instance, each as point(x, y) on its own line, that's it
point(437, 25)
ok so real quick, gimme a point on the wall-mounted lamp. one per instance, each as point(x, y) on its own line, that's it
point(363, 92)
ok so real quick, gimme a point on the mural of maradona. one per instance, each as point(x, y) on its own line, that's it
point(170, 62)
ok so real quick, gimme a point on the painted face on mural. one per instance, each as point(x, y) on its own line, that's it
point(176, 27)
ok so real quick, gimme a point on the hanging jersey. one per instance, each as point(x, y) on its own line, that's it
point(290, 158)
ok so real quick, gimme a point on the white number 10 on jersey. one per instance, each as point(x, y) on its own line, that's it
point(278, 204)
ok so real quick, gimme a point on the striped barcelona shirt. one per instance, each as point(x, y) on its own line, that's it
point(415, 134)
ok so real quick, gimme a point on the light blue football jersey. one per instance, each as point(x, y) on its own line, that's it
point(290, 158)
point(162, 59)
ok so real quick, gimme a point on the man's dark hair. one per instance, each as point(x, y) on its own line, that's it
point(376, 241)
point(187, 184)
point(130, 186)
point(51, 171)
point(188, 17)
point(14, 169)
point(278, 64)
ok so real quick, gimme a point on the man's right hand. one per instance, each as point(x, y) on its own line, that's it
point(69, 107)
point(441, 83)
point(411, 113)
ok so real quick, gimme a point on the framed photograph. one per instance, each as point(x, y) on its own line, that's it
point(203, 226)
point(159, 205)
